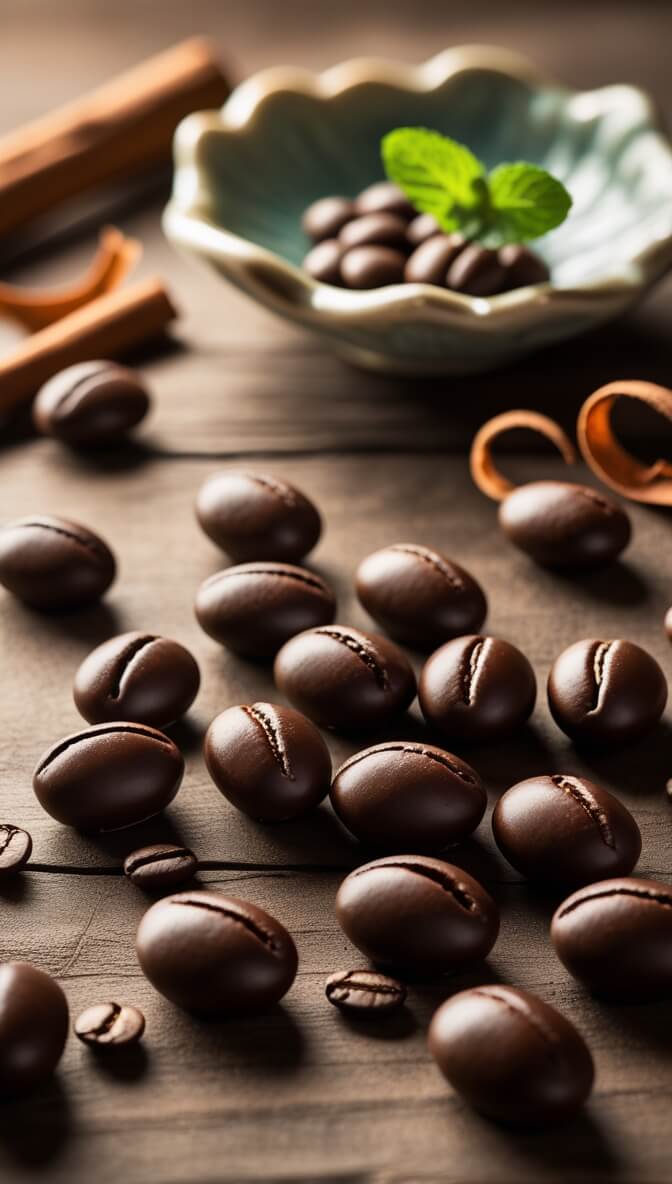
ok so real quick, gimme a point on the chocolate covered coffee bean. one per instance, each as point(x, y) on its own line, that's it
point(385, 197)
point(254, 516)
point(476, 271)
point(325, 217)
point(323, 262)
point(382, 229)
point(137, 676)
point(372, 267)
point(345, 679)
point(606, 693)
point(477, 689)
point(16, 848)
point(420, 228)
point(565, 526)
point(254, 608)
point(403, 794)
point(615, 937)
point(522, 267)
point(54, 564)
point(91, 404)
point(364, 992)
point(419, 913)
point(161, 867)
point(511, 1056)
point(431, 260)
point(268, 760)
point(110, 1025)
point(565, 830)
point(213, 953)
point(419, 596)
point(107, 777)
point(33, 1027)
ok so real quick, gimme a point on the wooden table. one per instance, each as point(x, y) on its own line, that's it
point(300, 1094)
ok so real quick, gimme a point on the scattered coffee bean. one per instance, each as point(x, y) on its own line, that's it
point(385, 230)
point(51, 563)
point(561, 525)
point(416, 912)
point(372, 267)
point(344, 679)
point(161, 867)
point(137, 676)
point(385, 197)
point(419, 596)
point(422, 227)
point(16, 847)
point(430, 262)
point(253, 516)
point(616, 938)
point(110, 776)
point(522, 267)
point(565, 830)
point(511, 1056)
point(91, 404)
point(33, 1027)
point(477, 689)
point(212, 953)
point(364, 992)
point(476, 271)
point(325, 217)
point(107, 1024)
point(254, 608)
point(323, 262)
point(269, 761)
point(606, 692)
point(402, 795)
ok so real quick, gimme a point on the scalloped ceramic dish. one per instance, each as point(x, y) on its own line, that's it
point(286, 137)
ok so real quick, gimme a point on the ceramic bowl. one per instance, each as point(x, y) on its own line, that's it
point(286, 137)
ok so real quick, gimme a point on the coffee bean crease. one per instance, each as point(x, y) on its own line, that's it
point(111, 730)
point(125, 660)
point(363, 650)
point(433, 559)
point(89, 544)
point(645, 894)
point(231, 914)
point(445, 881)
point(586, 801)
point(268, 721)
point(439, 758)
point(284, 492)
point(519, 1007)
point(473, 658)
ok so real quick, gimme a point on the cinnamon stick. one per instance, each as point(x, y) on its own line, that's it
point(116, 131)
point(485, 474)
point(107, 327)
point(607, 457)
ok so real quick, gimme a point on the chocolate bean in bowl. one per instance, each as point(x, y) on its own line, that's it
point(256, 516)
point(33, 1027)
point(54, 564)
point(477, 689)
point(212, 953)
point(91, 404)
point(418, 913)
point(137, 676)
point(511, 1056)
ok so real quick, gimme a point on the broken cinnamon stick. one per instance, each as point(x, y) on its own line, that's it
point(608, 459)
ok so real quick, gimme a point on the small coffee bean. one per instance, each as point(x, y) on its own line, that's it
point(212, 953)
point(606, 692)
point(416, 912)
point(110, 776)
point(364, 992)
point(430, 262)
point(565, 830)
point(137, 676)
point(16, 847)
point(422, 227)
point(253, 516)
point(323, 262)
point(324, 218)
point(53, 564)
point(615, 937)
point(419, 596)
point(476, 271)
point(561, 525)
point(160, 867)
point(107, 1024)
point(254, 608)
point(33, 1027)
point(385, 197)
point(91, 404)
point(522, 267)
point(385, 230)
point(269, 761)
point(345, 679)
point(372, 267)
point(477, 689)
point(511, 1056)
point(400, 794)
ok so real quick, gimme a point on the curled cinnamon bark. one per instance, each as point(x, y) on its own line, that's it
point(485, 473)
point(607, 457)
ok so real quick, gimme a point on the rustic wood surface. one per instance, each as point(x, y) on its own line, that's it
point(301, 1094)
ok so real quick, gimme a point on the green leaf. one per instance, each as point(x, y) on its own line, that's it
point(438, 175)
point(525, 202)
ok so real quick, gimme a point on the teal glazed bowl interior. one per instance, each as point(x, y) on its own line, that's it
point(244, 175)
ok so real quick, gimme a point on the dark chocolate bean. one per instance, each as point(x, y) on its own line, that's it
point(212, 953)
point(430, 262)
point(52, 563)
point(606, 692)
point(477, 689)
point(385, 197)
point(422, 227)
point(476, 271)
point(416, 912)
point(566, 830)
point(110, 1024)
point(254, 608)
point(139, 677)
point(419, 596)
point(616, 938)
point(254, 516)
point(323, 263)
point(522, 267)
point(160, 867)
point(269, 761)
point(364, 992)
point(385, 230)
point(345, 679)
point(402, 794)
point(372, 267)
point(91, 404)
point(110, 776)
point(511, 1056)
point(325, 217)
point(561, 525)
point(16, 848)
point(33, 1027)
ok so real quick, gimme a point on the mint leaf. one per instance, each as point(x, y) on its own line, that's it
point(525, 202)
point(438, 175)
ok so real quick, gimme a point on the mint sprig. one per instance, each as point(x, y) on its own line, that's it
point(512, 204)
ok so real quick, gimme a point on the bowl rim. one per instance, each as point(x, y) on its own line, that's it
point(190, 228)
